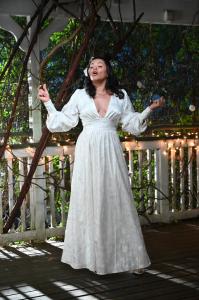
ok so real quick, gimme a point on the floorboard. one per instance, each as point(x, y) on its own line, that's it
point(34, 271)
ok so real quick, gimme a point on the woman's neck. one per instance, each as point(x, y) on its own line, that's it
point(100, 87)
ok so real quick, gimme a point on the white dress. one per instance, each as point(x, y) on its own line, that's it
point(103, 232)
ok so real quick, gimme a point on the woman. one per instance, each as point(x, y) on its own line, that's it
point(103, 232)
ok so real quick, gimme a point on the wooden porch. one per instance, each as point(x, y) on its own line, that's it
point(34, 271)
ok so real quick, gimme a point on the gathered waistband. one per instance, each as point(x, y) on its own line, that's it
point(100, 124)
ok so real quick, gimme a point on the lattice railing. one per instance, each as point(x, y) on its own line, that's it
point(164, 175)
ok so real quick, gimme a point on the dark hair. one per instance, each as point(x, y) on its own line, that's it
point(112, 83)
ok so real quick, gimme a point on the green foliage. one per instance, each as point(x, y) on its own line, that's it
point(144, 200)
point(164, 59)
point(8, 86)
point(61, 182)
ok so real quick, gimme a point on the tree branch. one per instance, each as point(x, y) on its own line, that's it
point(46, 134)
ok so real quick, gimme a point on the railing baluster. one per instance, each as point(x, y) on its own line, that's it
point(173, 178)
point(51, 193)
point(23, 207)
point(182, 180)
point(71, 160)
point(10, 184)
point(130, 165)
point(141, 193)
point(40, 196)
point(150, 178)
point(1, 203)
point(197, 173)
point(62, 191)
point(157, 183)
point(164, 185)
point(190, 176)
point(32, 200)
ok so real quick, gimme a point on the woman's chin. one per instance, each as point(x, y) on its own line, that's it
point(97, 79)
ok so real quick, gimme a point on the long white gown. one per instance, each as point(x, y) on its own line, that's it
point(103, 232)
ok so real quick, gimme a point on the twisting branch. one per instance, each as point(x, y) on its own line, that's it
point(134, 10)
point(118, 46)
point(62, 95)
point(91, 5)
point(22, 74)
point(46, 134)
point(56, 48)
point(67, 11)
point(18, 43)
point(113, 25)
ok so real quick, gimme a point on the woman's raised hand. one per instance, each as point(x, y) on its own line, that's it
point(157, 103)
point(43, 94)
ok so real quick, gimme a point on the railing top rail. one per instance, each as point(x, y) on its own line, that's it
point(30, 151)
point(134, 144)
point(160, 144)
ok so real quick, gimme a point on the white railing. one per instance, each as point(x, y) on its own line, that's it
point(164, 175)
point(168, 177)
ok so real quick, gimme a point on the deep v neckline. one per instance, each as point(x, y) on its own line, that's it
point(107, 110)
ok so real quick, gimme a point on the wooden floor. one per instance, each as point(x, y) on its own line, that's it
point(35, 271)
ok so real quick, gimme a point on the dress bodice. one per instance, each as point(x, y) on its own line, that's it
point(82, 106)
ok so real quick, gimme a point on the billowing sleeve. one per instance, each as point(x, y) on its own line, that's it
point(132, 121)
point(64, 120)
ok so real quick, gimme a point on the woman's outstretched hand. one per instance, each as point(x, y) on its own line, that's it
point(43, 94)
point(157, 103)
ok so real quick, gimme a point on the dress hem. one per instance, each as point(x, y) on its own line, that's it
point(131, 269)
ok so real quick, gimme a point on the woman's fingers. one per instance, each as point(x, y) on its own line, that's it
point(45, 88)
point(160, 101)
point(42, 87)
point(43, 94)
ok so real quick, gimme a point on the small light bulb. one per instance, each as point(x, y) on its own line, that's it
point(192, 107)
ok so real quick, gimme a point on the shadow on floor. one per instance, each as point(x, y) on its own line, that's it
point(35, 271)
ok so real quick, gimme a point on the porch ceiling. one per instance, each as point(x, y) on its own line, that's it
point(182, 12)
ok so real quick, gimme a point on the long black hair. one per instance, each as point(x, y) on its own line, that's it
point(112, 83)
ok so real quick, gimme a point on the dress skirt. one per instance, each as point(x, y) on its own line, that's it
point(103, 232)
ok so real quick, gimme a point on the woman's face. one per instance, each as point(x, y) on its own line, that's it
point(97, 70)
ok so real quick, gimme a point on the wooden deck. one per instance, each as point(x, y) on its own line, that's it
point(35, 271)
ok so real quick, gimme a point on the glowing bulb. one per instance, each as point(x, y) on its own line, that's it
point(192, 107)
